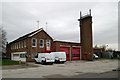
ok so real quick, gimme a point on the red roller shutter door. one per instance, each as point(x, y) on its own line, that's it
point(67, 50)
point(75, 53)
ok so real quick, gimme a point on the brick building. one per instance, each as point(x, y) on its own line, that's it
point(29, 44)
point(72, 49)
point(26, 47)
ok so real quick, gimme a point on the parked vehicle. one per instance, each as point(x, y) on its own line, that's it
point(44, 58)
point(95, 56)
point(60, 57)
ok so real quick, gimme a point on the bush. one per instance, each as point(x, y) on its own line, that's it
point(10, 62)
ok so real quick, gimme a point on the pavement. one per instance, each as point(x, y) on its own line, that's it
point(73, 69)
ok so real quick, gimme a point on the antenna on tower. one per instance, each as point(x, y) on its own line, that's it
point(90, 12)
point(38, 23)
point(46, 25)
point(80, 14)
point(46, 35)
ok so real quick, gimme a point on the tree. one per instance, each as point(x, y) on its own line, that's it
point(96, 46)
point(3, 40)
point(110, 50)
point(104, 47)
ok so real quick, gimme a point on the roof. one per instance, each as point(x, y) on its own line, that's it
point(30, 35)
point(68, 42)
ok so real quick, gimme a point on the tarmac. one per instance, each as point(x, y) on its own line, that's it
point(73, 69)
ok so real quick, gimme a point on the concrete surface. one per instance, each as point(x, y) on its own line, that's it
point(69, 69)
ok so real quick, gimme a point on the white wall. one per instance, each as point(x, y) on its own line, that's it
point(18, 58)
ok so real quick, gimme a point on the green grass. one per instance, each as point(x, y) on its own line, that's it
point(9, 62)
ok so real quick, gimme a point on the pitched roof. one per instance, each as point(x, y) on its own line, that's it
point(30, 35)
point(68, 42)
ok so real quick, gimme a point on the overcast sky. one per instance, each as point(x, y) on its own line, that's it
point(21, 18)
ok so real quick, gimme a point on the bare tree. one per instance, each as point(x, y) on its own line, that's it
point(0, 43)
point(96, 46)
point(3, 40)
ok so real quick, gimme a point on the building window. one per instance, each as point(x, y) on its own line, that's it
point(11, 46)
point(14, 46)
point(19, 45)
point(34, 42)
point(48, 44)
point(24, 44)
point(41, 43)
point(22, 55)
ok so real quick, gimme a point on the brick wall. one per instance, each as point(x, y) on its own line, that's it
point(86, 37)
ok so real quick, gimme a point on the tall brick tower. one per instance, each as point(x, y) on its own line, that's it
point(86, 36)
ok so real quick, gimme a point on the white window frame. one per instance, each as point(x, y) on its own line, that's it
point(42, 43)
point(14, 45)
point(21, 44)
point(35, 42)
point(48, 47)
point(24, 44)
point(48, 41)
point(18, 45)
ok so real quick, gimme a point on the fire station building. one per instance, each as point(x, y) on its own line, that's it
point(26, 47)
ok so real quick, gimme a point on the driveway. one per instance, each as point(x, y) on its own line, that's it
point(69, 69)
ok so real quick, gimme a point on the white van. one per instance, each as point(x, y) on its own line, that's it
point(44, 58)
point(59, 56)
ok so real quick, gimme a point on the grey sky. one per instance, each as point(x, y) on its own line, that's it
point(21, 18)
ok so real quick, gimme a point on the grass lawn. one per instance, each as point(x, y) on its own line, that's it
point(9, 62)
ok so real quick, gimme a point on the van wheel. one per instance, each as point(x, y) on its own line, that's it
point(63, 62)
point(51, 63)
point(42, 62)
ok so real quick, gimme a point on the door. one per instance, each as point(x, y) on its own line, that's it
point(16, 57)
point(75, 53)
point(67, 51)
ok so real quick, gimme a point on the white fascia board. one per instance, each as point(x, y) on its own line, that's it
point(35, 33)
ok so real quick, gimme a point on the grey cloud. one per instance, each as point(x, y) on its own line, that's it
point(20, 18)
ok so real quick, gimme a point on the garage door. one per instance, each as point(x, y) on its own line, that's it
point(67, 50)
point(75, 53)
point(15, 57)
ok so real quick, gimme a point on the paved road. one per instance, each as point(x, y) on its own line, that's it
point(110, 75)
point(74, 69)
